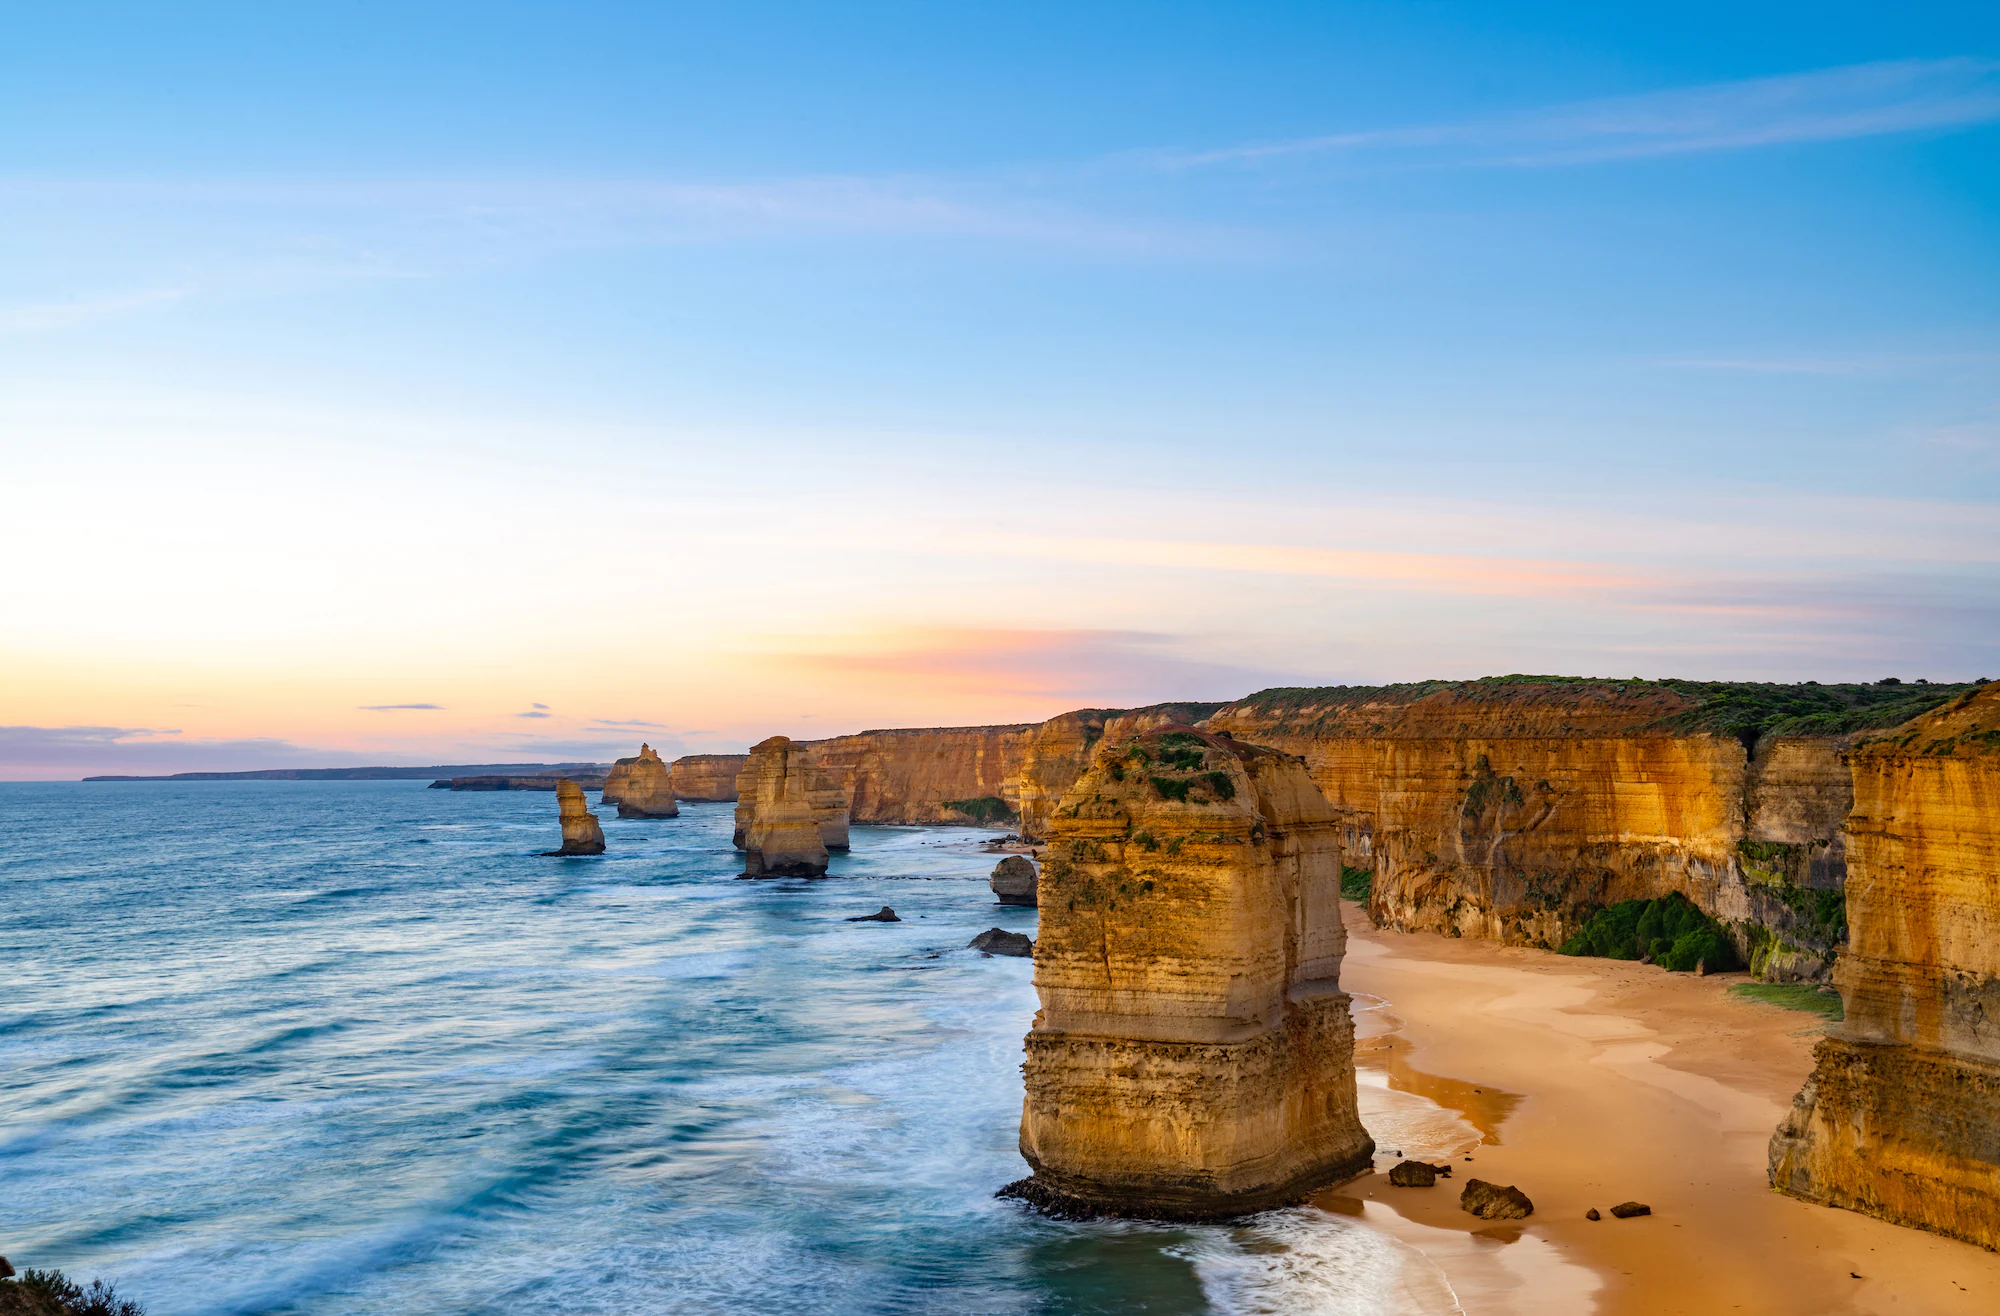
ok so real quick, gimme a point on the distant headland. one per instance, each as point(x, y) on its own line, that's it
point(384, 773)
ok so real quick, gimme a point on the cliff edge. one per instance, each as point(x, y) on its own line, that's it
point(1901, 1117)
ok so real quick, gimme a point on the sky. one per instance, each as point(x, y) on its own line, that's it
point(434, 383)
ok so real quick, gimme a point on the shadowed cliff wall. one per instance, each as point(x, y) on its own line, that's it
point(912, 775)
point(1901, 1118)
point(706, 777)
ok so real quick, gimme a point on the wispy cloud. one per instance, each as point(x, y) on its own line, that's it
point(75, 312)
point(534, 714)
point(613, 724)
point(1857, 100)
point(401, 708)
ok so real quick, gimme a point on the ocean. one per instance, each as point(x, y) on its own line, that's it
point(356, 1048)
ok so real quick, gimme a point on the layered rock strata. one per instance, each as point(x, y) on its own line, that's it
point(1512, 808)
point(927, 774)
point(581, 833)
point(1901, 1117)
point(706, 778)
point(641, 787)
point(777, 826)
point(1193, 1055)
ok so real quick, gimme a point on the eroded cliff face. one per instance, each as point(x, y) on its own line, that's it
point(916, 775)
point(777, 826)
point(709, 778)
point(641, 787)
point(1193, 1056)
point(1060, 750)
point(1901, 1118)
point(1513, 809)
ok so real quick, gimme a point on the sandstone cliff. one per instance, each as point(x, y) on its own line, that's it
point(1901, 1118)
point(580, 831)
point(777, 826)
point(1193, 1056)
point(1513, 807)
point(928, 774)
point(706, 777)
point(641, 787)
point(1059, 750)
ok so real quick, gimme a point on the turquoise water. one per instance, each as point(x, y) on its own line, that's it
point(354, 1047)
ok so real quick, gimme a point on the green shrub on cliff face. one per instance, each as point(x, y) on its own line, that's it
point(1356, 883)
point(985, 809)
point(1670, 930)
point(52, 1293)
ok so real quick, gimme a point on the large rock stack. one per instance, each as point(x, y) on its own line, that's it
point(1194, 1055)
point(778, 826)
point(1901, 1117)
point(641, 787)
point(580, 832)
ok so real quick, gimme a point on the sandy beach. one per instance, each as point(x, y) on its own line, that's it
point(1589, 1082)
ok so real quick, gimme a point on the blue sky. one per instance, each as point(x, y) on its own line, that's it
point(755, 368)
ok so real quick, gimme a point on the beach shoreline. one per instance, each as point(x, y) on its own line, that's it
point(1589, 1082)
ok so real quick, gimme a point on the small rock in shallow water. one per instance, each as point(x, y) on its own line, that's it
point(1626, 1210)
point(1591, 1214)
point(884, 915)
point(1491, 1201)
point(999, 941)
point(1412, 1174)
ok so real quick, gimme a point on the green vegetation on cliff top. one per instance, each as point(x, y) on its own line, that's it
point(1747, 710)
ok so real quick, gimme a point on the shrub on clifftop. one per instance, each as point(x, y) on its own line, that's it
point(52, 1293)
point(1670, 930)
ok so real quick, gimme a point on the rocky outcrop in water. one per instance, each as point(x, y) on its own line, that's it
point(1014, 880)
point(1901, 1117)
point(1513, 808)
point(706, 778)
point(641, 787)
point(1193, 1056)
point(776, 824)
point(999, 941)
point(580, 831)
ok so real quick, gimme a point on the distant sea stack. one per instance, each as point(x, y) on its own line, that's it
point(1014, 881)
point(776, 824)
point(1194, 1055)
point(1901, 1117)
point(706, 778)
point(580, 832)
point(641, 787)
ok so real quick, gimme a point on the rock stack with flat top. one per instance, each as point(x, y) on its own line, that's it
point(641, 787)
point(776, 826)
point(1194, 1056)
point(1901, 1117)
point(580, 832)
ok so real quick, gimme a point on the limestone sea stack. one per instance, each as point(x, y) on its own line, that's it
point(580, 832)
point(1194, 1055)
point(1013, 880)
point(1901, 1117)
point(641, 787)
point(775, 822)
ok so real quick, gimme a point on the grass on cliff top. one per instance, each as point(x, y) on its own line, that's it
point(1793, 996)
point(1747, 710)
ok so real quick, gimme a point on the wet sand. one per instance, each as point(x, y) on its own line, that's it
point(1590, 1082)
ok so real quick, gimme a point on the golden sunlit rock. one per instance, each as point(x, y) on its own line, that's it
point(1193, 1056)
